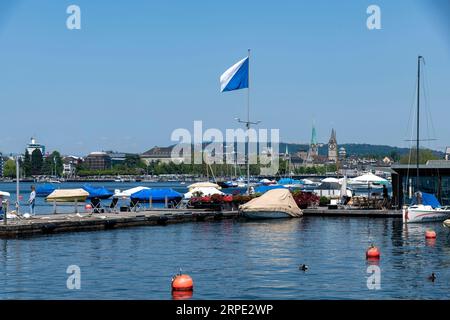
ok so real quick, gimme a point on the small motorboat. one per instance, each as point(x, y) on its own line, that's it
point(425, 208)
point(274, 204)
point(68, 195)
point(446, 223)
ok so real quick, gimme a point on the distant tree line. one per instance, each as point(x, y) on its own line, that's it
point(35, 165)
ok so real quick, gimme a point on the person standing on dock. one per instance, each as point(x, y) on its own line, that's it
point(32, 199)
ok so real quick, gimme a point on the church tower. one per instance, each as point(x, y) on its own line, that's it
point(332, 147)
point(313, 151)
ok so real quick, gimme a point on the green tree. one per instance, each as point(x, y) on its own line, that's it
point(132, 161)
point(395, 156)
point(36, 162)
point(26, 165)
point(424, 156)
point(9, 169)
point(52, 162)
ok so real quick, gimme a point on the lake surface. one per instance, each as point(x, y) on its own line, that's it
point(227, 259)
point(232, 260)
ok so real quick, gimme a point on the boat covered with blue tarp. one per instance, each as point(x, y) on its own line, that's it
point(157, 195)
point(289, 181)
point(97, 192)
point(428, 199)
point(263, 189)
point(44, 190)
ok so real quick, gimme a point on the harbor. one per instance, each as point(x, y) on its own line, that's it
point(239, 151)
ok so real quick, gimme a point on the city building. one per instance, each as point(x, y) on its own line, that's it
point(98, 161)
point(434, 178)
point(342, 154)
point(33, 145)
point(313, 151)
point(160, 154)
point(447, 153)
point(118, 158)
point(332, 147)
point(70, 165)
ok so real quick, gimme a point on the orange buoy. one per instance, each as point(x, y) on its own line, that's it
point(182, 295)
point(373, 253)
point(430, 234)
point(182, 282)
point(88, 207)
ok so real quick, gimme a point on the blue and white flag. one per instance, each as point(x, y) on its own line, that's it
point(236, 77)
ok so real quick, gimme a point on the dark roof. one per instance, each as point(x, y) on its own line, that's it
point(432, 167)
point(159, 152)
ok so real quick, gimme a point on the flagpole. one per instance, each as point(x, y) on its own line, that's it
point(248, 127)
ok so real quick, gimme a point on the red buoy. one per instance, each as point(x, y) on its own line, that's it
point(88, 207)
point(373, 253)
point(182, 282)
point(430, 234)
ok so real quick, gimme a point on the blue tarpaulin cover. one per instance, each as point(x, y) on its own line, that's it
point(44, 190)
point(289, 181)
point(428, 199)
point(97, 192)
point(263, 189)
point(156, 195)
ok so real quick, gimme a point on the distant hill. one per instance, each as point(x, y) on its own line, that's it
point(356, 149)
point(352, 149)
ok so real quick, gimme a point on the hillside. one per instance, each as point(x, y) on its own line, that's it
point(356, 149)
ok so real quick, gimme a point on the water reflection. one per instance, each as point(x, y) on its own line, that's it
point(259, 260)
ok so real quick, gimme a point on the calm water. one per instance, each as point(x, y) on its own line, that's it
point(228, 259)
point(232, 260)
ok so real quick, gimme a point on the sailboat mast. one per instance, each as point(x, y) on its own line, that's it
point(418, 123)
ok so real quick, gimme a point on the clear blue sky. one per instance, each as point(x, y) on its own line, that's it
point(139, 69)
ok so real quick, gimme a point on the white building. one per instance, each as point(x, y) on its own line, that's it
point(33, 145)
point(70, 165)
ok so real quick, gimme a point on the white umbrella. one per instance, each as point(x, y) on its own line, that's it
point(344, 187)
point(204, 191)
point(204, 185)
point(369, 178)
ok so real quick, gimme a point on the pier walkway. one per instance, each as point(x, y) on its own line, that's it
point(57, 223)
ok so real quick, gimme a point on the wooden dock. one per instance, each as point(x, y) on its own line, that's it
point(371, 213)
point(57, 223)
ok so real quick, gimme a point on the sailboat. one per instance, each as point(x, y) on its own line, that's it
point(424, 207)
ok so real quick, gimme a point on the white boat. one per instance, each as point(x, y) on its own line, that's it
point(274, 204)
point(446, 223)
point(127, 193)
point(425, 208)
point(68, 195)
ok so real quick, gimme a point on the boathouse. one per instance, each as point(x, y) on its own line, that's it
point(434, 178)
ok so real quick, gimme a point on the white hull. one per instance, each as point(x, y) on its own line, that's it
point(258, 215)
point(421, 213)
